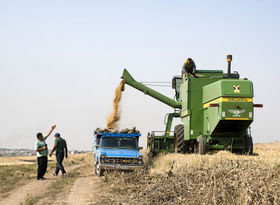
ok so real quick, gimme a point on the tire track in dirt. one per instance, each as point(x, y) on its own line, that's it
point(84, 191)
point(34, 187)
point(81, 192)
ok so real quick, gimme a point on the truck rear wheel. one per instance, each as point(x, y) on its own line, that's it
point(98, 170)
point(179, 135)
point(202, 148)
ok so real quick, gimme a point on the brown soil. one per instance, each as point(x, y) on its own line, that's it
point(84, 191)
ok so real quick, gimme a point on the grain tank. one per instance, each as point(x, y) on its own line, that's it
point(216, 112)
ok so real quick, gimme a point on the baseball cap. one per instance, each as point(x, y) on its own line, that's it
point(57, 134)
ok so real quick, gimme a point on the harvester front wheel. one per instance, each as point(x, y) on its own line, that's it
point(179, 135)
point(202, 148)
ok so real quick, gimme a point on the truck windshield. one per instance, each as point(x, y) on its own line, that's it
point(119, 142)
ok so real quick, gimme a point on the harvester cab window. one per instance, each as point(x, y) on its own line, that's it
point(176, 83)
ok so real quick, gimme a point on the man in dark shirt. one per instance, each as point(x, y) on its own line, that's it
point(60, 147)
point(189, 67)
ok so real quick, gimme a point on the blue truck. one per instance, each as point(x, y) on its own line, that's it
point(116, 151)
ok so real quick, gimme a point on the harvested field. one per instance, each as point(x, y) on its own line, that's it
point(217, 178)
point(17, 160)
point(220, 178)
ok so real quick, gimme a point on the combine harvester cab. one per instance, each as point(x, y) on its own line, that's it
point(116, 151)
point(216, 111)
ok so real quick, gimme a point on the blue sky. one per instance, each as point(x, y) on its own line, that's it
point(60, 61)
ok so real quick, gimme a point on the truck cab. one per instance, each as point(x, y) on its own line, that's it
point(116, 151)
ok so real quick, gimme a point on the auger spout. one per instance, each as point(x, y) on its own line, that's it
point(148, 91)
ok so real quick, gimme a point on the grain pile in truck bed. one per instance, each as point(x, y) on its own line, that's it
point(126, 130)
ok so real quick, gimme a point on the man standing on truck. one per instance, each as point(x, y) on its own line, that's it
point(189, 67)
point(41, 149)
point(60, 147)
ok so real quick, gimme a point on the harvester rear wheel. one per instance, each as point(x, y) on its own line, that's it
point(202, 148)
point(179, 135)
point(249, 145)
point(150, 143)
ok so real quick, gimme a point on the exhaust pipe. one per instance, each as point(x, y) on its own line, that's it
point(229, 59)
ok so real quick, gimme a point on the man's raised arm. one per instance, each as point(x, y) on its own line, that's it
point(49, 133)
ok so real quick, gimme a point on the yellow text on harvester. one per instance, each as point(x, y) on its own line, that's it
point(222, 99)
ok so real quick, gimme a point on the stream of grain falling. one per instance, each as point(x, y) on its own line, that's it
point(115, 115)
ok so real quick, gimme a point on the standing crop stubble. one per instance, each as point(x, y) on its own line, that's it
point(219, 178)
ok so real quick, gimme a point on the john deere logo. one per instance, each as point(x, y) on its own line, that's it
point(236, 88)
point(236, 113)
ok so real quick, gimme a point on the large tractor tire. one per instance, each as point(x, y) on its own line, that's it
point(150, 143)
point(201, 146)
point(249, 145)
point(179, 136)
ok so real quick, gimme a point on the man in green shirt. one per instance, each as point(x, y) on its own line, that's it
point(41, 149)
point(60, 147)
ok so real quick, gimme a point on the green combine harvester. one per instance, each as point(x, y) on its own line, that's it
point(216, 111)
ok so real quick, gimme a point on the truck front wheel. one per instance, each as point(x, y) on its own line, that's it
point(98, 170)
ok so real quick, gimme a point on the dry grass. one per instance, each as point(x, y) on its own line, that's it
point(15, 175)
point(219, 178)
point(29, 200)
point(25, 160)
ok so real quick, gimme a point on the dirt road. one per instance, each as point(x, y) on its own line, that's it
point(84, 191)
point(33, 188)
point(79, 187)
